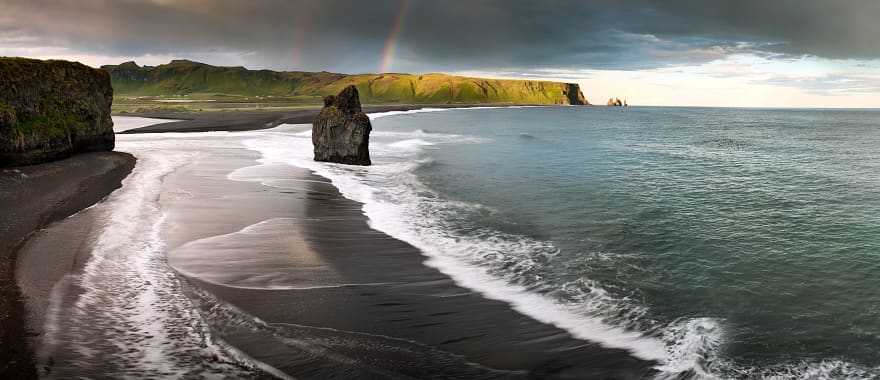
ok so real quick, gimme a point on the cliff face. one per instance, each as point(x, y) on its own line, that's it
point(341, 131)
point(450, 89)
point(182, 77)
point(575, 96)
point(51, 110)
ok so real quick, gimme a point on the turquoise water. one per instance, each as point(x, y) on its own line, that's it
point(746, 239)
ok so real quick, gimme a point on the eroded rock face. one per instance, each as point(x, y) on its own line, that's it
point(615, 102)
point(574, 95)
point(52, 109)
point(341, 131)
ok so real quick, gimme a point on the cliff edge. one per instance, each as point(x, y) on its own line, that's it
point(575, 96)
point(182, 77)
point(51, 110)
point(341, 131)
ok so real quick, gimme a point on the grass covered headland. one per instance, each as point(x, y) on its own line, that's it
point(193, 82)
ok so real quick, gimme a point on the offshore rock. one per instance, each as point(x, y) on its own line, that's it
point(341, 131)
point(615, 102)
point(51, 110)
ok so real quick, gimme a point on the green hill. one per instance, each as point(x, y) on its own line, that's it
point(181, 77)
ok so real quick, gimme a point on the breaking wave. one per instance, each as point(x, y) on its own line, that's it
point(499, 265)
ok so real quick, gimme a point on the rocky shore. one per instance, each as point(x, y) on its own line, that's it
point(51, 110)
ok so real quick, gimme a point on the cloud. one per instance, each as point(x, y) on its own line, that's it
point(349, 35)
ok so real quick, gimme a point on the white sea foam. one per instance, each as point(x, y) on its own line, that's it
point(132, 317)
point(124, 123)
point(411, 144)
point(394, 202)
point(377, 115)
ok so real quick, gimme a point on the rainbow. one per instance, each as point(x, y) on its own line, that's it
point(391, 41)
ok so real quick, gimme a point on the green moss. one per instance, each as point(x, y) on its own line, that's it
point(50, 126)
point(5, 108)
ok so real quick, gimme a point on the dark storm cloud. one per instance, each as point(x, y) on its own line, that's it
point(448, 35)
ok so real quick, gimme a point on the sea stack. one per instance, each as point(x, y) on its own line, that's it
point(615, 102)
point(341, 131)
point(51, 110)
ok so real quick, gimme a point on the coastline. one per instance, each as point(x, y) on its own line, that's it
point(370, 290)
point(347, 288)
point(34, 197)
point(237, 121)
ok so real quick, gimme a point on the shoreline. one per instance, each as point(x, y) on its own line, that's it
point(348, 282)
point(237, 121)
point(388, 297)
point(34, 197)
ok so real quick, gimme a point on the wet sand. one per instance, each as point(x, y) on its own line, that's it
point(31, 198)
point(341, 299)
point(293, 276)
point(250, 120)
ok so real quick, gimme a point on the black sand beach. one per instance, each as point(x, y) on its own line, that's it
point(33, 197)
point(361, 304)
point(249, 120)
point(353, 302)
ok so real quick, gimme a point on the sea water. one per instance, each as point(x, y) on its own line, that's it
point(726, 242)
point(716, 242)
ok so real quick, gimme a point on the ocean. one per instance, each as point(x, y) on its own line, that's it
point(717, 243)
point(735, 242)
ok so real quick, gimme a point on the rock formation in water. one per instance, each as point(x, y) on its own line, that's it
point(52, 109)
point(341, 131)
point(615, 102)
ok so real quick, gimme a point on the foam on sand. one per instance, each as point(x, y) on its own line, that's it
point(398, 204)
point(124, 123)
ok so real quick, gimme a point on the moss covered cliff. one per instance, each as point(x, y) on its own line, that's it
point(181, 77)
point(52, 109)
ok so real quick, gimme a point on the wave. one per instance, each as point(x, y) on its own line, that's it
point(377, 115)
point(500, 266)
point(506, 267)
point(410, 144)
point(415, 133)
point(131, 306)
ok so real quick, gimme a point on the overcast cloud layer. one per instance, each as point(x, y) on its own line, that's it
point(349, 36)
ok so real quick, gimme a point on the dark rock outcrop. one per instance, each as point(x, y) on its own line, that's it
point(574, 94)
point(616, 102)
point(52, 109)
point(341, 131)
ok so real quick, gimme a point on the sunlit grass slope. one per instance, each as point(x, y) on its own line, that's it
point(181, 77)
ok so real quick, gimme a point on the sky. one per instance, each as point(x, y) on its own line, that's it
point(744, 53)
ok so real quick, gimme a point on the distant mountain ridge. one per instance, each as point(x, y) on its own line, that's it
point(183, 77)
